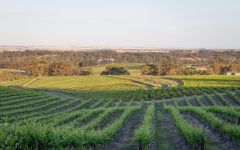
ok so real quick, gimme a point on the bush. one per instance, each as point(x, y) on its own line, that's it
point(85, 71)
point(62, 68)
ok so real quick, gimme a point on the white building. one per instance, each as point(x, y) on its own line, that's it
point(233, 73)
point(106, 61)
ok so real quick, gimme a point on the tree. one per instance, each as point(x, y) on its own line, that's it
point(216, 66)
point(235, 66)
point(62, 68)
point(36, 67)
point(115, 70)
point(224, 69)
point(150, 69)
point(168, 67)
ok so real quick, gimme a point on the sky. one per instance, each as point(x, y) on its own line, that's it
point(121, 23)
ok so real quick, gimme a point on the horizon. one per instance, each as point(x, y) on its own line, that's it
point(74, 47)
point(155, 24)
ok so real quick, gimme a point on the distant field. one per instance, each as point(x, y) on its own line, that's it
point(209, 80)
point(133, 68)
point(93, 82)
point(74, 82)
point(154, 81)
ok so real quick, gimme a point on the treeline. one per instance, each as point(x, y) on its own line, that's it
point(43, 67)
point(217, 67)
point(168, 70)
point(75, 62)
point(14, 60)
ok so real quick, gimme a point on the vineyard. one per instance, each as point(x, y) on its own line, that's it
point(119, 113)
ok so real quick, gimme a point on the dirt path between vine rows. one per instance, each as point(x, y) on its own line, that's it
point(57, 93)
point(230, 100)
point(171, 138)
point(205, 101)
point(194, 102)
point(213, 135)
point(216, 99)
point(182, 102)
point(124, 139)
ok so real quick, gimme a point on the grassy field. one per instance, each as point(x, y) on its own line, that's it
point(126, 112)
point(71, 82)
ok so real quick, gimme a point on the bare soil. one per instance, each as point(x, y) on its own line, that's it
point(181, 102)
point(124, 139)
point(218, 102)
point(230, 100)
point(205, 101)
point(66, 107)
point(194, 102)
point(172, 138)
point(110, 119)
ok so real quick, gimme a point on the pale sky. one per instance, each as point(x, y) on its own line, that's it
point(121, 23)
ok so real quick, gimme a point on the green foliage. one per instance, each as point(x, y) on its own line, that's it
point(144, 134)
point(210, 99)
point(237, 99)
point(223, 100)
point(193, 134)
point(229, 129)
point(228, 113)
point(35, 135)
point(114, 70)
point(200, 102)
